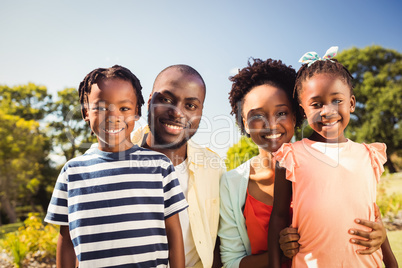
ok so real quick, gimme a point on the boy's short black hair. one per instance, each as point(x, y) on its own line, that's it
point(114, 72)
point(259, 72)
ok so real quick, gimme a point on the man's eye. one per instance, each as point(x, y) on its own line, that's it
point(166, 100)
point(191, 106)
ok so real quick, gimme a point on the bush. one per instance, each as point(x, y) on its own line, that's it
point(32, 239)
point(388, 204)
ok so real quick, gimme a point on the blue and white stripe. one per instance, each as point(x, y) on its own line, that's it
point(115, 205)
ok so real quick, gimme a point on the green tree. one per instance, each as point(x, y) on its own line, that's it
point(22, 158)
point(378, 90)
point(69, 131)
point(240, 152)
point(30, 101)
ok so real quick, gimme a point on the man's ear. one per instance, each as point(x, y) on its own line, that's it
point(149, 100)
point(352, 103)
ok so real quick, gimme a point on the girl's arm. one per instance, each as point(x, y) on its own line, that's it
point(65, 255)
point(280, 215)
point(288, 241)
point(175, 241)
point(388, 256)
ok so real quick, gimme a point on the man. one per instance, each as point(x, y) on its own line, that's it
point(174, 113)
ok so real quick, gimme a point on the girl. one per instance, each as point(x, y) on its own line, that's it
point(330, 179)
point(261, 99)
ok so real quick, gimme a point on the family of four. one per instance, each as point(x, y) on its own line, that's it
point(152, 198)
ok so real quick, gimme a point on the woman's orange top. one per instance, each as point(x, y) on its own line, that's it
point(257, 215)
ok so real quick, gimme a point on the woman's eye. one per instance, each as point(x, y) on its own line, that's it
point(282, 113)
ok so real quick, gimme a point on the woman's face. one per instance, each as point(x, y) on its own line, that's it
point(268, 117)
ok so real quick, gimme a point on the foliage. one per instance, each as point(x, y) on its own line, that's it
point(69, 131)
point(240, 152)
point(22, 157)
point(388, 204)
point(378, 90)
point(33, 237)
point(30, 101)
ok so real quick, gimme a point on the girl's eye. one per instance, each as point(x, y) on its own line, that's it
point(337, 101)
point(316, 105)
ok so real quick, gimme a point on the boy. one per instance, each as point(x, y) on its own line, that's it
point(118, 204)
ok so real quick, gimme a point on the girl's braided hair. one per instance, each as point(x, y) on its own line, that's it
point(115, 72)
point(259, 72)
point(331, 67)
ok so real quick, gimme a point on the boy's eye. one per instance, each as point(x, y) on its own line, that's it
point(124, 109)
point(99, 108)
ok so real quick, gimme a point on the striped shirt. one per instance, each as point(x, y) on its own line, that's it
point(115, 205)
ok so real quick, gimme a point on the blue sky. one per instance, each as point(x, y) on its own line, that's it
point(56, 43)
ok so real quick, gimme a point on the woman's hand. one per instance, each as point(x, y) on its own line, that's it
point(373, 239)
point(288, 240)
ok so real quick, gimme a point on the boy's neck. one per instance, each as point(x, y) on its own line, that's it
point(114, 149)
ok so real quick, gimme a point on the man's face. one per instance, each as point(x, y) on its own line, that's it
point(175, 108)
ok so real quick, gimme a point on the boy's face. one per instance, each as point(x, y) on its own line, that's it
point(175, 108)
point(112, 112)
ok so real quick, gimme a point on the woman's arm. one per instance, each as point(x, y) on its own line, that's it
point(175, 241)
point(65, 255)
point(280, 215)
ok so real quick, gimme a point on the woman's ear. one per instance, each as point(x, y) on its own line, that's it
point(246, 128)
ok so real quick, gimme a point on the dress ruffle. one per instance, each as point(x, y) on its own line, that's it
point(378, 157)
point(286, 159)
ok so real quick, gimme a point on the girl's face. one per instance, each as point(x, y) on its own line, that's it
point(268, 117)
point(327, 102)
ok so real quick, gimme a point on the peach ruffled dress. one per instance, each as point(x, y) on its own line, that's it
point(333, 184)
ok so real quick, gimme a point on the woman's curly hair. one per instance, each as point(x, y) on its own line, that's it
point(257, 73)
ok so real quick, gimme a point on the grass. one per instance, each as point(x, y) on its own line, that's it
point(395, 239)
point(9, 228)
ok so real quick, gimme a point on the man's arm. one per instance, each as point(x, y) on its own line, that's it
point(175, 241)
point(65, 255)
